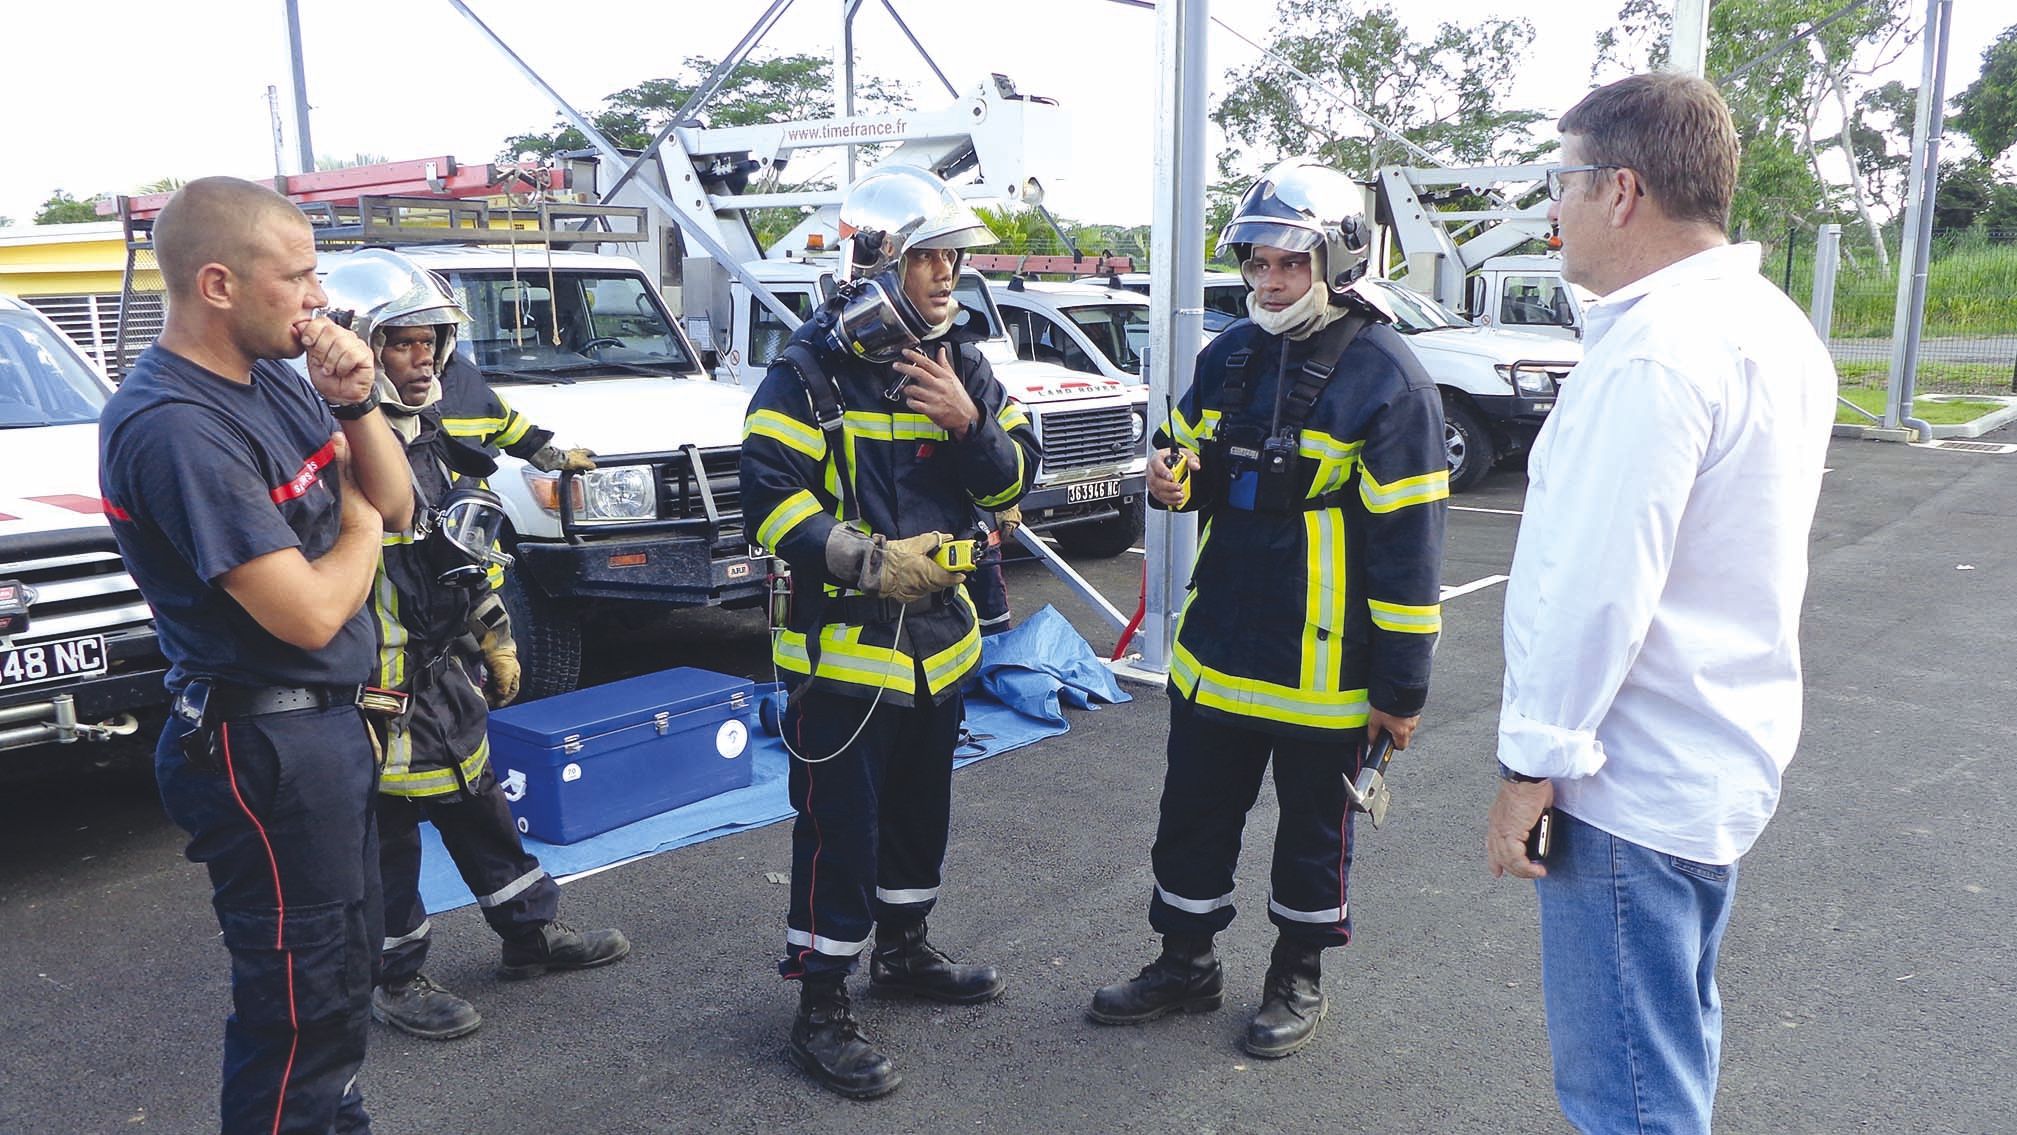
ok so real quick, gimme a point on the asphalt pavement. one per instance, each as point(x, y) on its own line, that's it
point(1867, 976)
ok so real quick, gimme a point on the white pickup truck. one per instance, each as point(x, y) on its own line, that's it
point(78, 657)
point(583, 345)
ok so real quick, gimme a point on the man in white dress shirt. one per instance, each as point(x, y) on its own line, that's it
point(1652, 691)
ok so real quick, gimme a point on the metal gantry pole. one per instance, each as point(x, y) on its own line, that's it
point(1910, 315)
point(1688, 51)
point(843, 77)
point(303, 145)
point(1827, 262)
point(1176, 292)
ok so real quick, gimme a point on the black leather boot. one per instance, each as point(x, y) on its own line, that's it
point(904, 962)
point(1292, 1001)
point(1185, 978)
point(557, 945)
point(423, 1009)
point(827, 1043)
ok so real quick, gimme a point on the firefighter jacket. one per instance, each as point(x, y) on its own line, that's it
point(906, 477)
point(438, 745)
point(1303, 613)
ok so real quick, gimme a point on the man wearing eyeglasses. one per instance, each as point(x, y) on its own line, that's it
point(1652, 690)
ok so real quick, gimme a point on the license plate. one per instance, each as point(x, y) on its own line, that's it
point(51, 661)
point(1092, 491)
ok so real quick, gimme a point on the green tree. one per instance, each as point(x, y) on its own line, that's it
point(1444, 94)
point(1781, 64)
point(1988, 106)
point(63, 209)
point(6, 222)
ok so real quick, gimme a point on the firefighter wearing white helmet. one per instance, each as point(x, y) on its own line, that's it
point(869, 445)
point(444, 647)
point(1314, 447)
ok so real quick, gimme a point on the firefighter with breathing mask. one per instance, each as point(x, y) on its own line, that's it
point(1313, 444)
point(868, 447)
point(444, 643)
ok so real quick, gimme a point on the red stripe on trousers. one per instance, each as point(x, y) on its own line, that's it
point(280, 923)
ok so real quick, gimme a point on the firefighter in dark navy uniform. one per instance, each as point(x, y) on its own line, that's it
point(249, 505)
point(443, 642)
point(1315, 448)
point(868, 447)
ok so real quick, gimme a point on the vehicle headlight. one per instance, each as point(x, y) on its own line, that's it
point(621, 492)
point(1535, 383)
point(1141, 424)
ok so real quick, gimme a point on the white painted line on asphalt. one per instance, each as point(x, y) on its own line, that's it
point(1450, 593)
point(1493, 511)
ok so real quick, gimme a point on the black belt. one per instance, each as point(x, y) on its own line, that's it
point(869, 610)
point(230, 703)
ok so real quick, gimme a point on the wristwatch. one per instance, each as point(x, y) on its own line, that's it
point(1507, 774)
point(352, 411)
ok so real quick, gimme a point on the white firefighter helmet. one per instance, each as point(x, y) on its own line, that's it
point(383, 289)
point(1303, 205)
point(896, 208)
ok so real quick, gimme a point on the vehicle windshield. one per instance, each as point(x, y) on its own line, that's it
point(43, 382)
point(565, 321)
point(971, 291)
point(1120, 331)
point(1413, 311)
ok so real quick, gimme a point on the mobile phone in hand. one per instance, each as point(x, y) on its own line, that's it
point(1541, 837)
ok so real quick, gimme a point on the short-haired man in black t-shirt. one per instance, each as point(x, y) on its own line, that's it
point(248, 504)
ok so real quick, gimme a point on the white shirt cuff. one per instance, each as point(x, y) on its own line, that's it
point(1537, 748)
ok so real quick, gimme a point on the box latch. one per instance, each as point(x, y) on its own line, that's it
point(661, 721)
point(571, 744)
point(739, 699)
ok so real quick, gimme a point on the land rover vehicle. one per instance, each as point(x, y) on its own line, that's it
point(78, 656)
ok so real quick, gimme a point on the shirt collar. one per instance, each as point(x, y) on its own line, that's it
point(1722, 262)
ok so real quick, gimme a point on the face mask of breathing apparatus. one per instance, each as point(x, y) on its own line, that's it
point(461, 542)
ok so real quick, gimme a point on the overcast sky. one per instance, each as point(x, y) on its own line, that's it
point(105, 96)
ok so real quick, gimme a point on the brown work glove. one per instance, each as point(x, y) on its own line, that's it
point(1008, 520)
point(905, 571)
point(500, 658)
point(553, 459)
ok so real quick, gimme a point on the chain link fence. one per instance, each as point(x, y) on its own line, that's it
point(1969, 342)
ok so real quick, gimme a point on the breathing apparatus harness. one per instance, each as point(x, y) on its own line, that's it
point(1260, 465)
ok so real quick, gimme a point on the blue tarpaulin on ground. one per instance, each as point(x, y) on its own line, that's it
point(1026, 675)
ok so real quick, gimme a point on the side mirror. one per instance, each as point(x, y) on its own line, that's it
point(1474, 296)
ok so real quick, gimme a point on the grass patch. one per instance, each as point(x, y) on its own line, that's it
point(1934, 377)
point(1937, 413)
point(1969, 280)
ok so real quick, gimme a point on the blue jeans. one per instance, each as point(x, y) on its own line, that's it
point(1628, 968)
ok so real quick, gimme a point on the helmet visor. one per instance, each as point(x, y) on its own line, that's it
point(1290, 236)
point(871, 326)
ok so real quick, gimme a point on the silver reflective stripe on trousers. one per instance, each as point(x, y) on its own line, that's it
point(417, 934)
point(905, 898)
point(1335, 914)
point(511, 890)
point(825, 945)
point(1194, 906)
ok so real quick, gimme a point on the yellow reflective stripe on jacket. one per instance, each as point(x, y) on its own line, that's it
point(434, 781)
point(796, 509)
point(952, 663)
point(891, 427)
point(1404, 492)
point(786, 430)
point(1406, 619)
point(1248, 697)
point(392, 634)
point(1324, 601)
point(516, 426)
point(1012, 415)
point(844, 658)
point(1188, 436)
point(996, 500)
point(472, 427)
point(1335, 460)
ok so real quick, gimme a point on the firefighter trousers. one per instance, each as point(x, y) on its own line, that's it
point(283, 823)
point(871, 831)
point(1213, 778)
point(515, 893)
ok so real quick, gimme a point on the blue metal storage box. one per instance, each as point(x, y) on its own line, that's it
point(581, 763)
